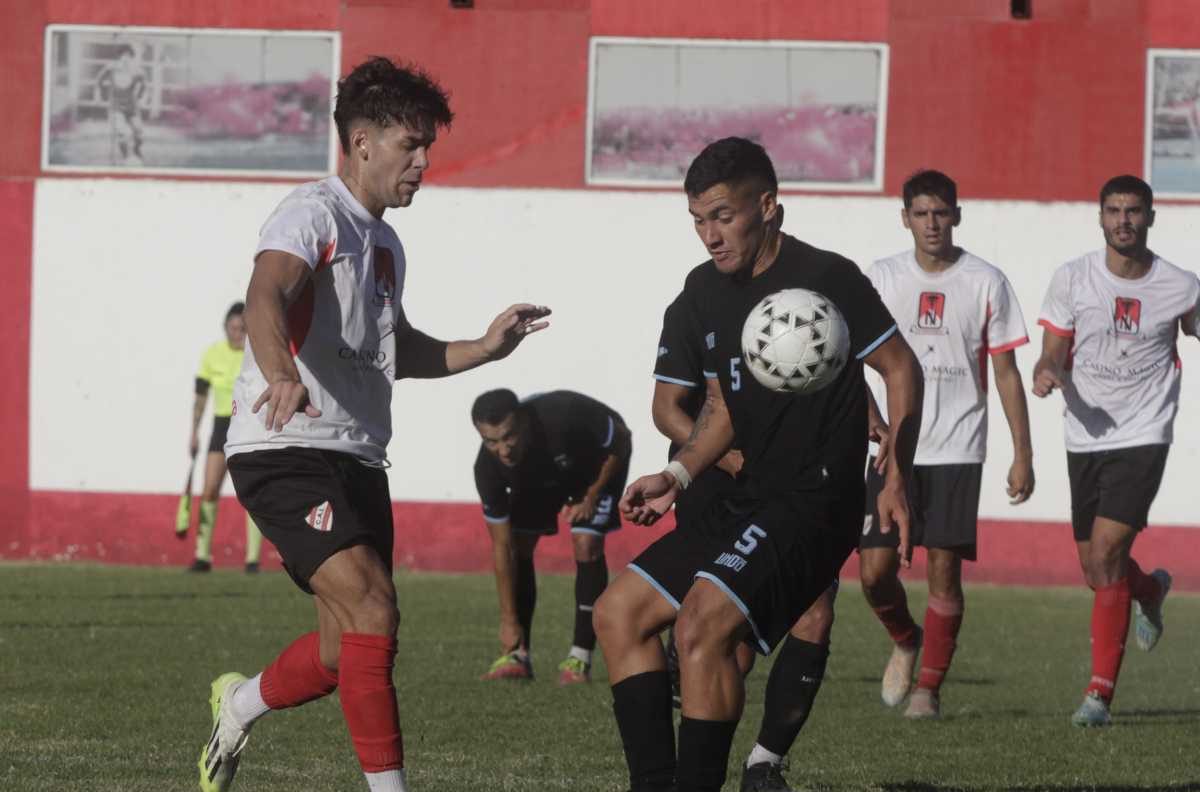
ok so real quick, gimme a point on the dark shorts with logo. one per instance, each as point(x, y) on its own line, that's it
point(311, 503)
point(772, 558)
point(216, 442)
point(536, 512)
point(943, 501)
point(1119, 485)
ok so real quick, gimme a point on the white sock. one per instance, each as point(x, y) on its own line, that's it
point(759, 755)
point(387, 781)
point(583, 654)
point(246, 704)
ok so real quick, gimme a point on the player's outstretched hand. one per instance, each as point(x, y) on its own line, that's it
point(509, 328)
point(284, 399)
point(893, 512)
point(1046, 378)
point(1020, 481)
point(649, 498)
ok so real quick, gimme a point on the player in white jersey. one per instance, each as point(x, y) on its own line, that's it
point(312, 416)
point(1112, 318)
point(956, 311)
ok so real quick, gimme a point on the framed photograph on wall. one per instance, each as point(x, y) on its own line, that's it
point(819, 108)
point(1172, 143)
point(189, 101)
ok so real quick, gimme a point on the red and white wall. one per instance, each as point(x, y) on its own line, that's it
point(115, 286)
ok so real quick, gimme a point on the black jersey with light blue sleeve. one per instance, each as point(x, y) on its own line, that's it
point(680, 357)
point(792, 443)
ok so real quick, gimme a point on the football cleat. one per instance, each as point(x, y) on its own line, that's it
point(897, 676)
point(510, 666)
point(200, 565)
point(923, 705)
point(1147, 619)
point(764, 777)
point(573, 671)
point(1092, 712)
point(220, 756)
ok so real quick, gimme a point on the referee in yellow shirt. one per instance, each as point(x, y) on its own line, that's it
point(218, 370)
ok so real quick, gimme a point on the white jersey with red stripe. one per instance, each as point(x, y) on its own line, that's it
point(952, 320)
point(1124, 373)
point(341, 329)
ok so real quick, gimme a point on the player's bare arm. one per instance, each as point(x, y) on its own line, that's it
point(504, 556)
point(276, 282)
point(1048, 372)
point(672, 419)
point(651, 496)
point(585, 508)
point(1016, 411)
point(421, 356)
point(905, 385)
point(877, 432)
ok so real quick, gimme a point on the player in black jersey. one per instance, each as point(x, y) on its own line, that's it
point(555, 453)
point(761, 558)
point(799, 669)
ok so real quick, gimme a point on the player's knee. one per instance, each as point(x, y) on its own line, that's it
point(609, 618)
point(816, 624)
point(587, 547)
point(699, 632)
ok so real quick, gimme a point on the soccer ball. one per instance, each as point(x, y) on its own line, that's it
point(795, 341)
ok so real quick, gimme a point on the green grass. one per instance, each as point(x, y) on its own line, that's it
point(104, 677)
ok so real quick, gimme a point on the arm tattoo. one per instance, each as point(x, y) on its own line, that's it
point(702, 421)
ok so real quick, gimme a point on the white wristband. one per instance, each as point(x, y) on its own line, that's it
point(680, 473)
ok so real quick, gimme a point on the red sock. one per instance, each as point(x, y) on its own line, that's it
point(369, 700)
point(297, 676)
point(1142, 587)
point(1110, 623)
point(943, 617)
point(898, 621)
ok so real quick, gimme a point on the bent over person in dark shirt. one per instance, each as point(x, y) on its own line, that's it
point(558, 453)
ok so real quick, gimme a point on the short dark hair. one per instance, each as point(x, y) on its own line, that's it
point(1127, 185)
point(237, 309)
point(494, 407)
point(933, 183)
point(731, 160)
point(383, 93)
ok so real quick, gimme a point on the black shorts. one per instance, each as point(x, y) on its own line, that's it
point(943, 502)
point(216, 443)
point(536, 512)
point(772, 558)
point(694, 502)
point(1119, 485)
point(312, 503)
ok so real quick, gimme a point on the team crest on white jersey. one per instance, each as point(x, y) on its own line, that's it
point(320, 518)
point(1127, 316)
point(931, 313)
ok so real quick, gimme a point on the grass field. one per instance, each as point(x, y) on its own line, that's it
point(104, 678)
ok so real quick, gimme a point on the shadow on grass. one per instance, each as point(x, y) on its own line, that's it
point(968, 681)
point(923, 786)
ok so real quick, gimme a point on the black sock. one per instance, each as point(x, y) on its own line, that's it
point(703, 754)
point(642, 705)
point(526, 596)
point(590, 579)
point(791, 688)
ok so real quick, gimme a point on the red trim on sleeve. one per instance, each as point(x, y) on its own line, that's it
point(1009, 346)
point(300, 314)
point(1058, 331)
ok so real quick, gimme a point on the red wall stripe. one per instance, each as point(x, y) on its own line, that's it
point(16, 253)
point(139, 529)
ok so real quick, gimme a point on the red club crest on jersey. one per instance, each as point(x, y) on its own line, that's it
point(930, 310)
point(1127, 316)
point(385, 277)
point(320, 518)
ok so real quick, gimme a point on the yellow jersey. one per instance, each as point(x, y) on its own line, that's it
point(219, 368)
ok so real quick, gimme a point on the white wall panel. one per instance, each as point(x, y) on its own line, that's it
point(132, 278)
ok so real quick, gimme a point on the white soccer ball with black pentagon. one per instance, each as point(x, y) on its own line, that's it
point(795, 341)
